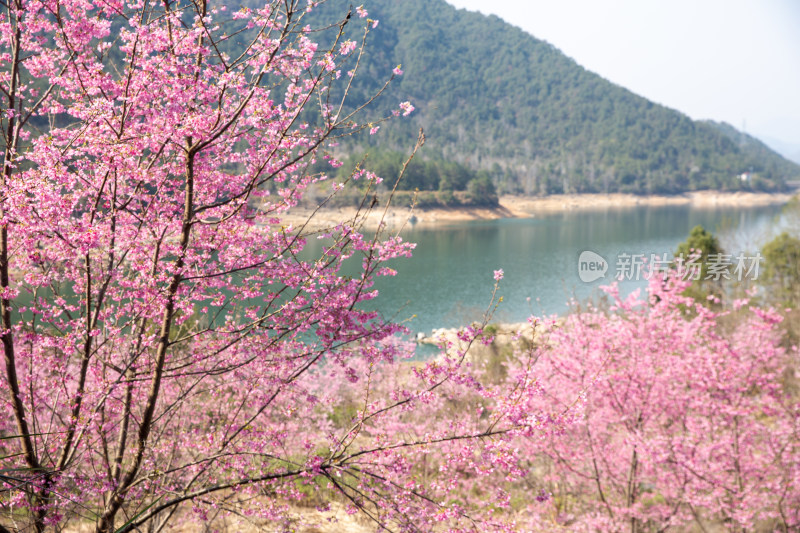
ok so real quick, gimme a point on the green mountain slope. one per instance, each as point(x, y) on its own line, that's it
point(495, 98)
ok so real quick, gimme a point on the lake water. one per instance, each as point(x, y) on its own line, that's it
point(449, 280)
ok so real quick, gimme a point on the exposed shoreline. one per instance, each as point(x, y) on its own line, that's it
point(526, 207)
point(699, 199)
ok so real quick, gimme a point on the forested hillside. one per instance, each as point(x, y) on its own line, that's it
point(494, 98)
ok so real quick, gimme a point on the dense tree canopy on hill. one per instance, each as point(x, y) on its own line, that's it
point(429, 182)
point(495, 98)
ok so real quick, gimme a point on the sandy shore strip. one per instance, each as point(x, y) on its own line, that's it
point(396, 218)
point(700, 199)
point(523, 207)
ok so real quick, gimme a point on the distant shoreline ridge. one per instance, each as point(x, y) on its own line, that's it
point(513, 206)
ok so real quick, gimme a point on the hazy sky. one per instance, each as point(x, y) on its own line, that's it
point(736, 61)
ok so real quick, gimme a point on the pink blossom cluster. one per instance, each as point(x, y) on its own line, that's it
point(691, 418)
point(160, 324)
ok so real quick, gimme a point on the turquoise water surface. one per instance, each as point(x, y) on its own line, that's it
point(449, 280)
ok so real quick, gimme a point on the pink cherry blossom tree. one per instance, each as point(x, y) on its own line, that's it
point(691, 418)
point(169, 352)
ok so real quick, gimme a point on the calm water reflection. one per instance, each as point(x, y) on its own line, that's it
point(448, 282)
